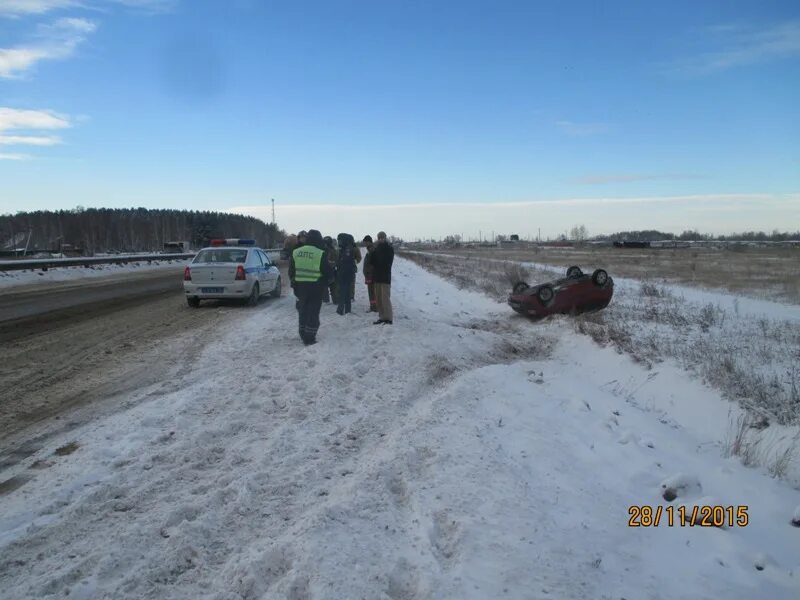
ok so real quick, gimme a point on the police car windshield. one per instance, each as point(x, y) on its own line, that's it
point(221, 255)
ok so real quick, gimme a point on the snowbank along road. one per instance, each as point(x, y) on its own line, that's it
point(460, 453)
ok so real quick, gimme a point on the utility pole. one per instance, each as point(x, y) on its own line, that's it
point(273, 229)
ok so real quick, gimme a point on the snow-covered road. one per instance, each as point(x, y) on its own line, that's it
point(461, 453)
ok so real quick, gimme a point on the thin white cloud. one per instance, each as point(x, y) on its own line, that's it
point(21, 119)
point(14, 61)
point(55, 41)
point(740, 46)
point(29, 140)
point(19, 8)
point(15, 8)
point(600, 214)
point(603, 179)
point(20, 127)
point(695, 198)
point(149, 6)
point(14, 156)
point(582, 129)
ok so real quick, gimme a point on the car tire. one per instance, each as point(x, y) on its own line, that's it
point(520, 287)
point(546, 293)
point(574, 272)
point(276, 293)
point(600, 277)
point(255, 295)
point(193, 301)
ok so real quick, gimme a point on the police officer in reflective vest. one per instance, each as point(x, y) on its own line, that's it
point(309, 273)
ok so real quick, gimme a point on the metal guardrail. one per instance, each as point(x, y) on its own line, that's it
point(48, 263)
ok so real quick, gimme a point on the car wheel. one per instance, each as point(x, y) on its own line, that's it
point(276, 293)
point(574, 272)
point(193, 301)
point(546, 294)
point(600, 277)
point(255, 295)
point(520, 287)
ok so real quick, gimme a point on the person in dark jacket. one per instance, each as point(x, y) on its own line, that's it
point(329, 293)
point(381, 259)
point(345, 272)
point(309, 273)
point(367, 269)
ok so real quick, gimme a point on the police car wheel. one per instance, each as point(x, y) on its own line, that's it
point(194, 302)
point(255, 294)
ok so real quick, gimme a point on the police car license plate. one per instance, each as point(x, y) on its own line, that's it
point(212, 290)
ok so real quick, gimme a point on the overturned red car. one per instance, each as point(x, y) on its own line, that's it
point(575, 293)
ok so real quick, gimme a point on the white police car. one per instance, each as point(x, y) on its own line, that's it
point(231, 269)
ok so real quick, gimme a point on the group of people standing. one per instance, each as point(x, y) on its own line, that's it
point(324, 270)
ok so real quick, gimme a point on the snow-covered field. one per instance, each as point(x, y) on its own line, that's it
point(461, 453)
point(740, 304)
point(10, 279)
point(747, 348)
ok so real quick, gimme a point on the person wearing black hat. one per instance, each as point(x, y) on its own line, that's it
point(309, 273)
point(368, 271)
point(345, 272)
point(329, 293)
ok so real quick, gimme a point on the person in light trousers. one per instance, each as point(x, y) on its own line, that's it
point(381, 259)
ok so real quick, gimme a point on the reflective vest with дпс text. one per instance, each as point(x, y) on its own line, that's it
point(307, 261)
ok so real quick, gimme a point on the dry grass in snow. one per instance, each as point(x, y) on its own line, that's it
point(752, 361)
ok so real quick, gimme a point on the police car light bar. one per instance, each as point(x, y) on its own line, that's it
point(232, 242)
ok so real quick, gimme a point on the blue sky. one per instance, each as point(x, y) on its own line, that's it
point(433, 117)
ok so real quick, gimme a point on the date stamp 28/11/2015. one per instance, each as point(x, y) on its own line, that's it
point(688, 516)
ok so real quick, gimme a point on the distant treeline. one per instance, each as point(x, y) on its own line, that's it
point(652, 235)
point(129, 229)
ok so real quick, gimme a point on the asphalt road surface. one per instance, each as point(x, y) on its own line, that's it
point(33, 308)
point(76, 350)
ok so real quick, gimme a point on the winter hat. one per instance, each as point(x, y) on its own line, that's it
point(314, 238)
point(367, 239)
